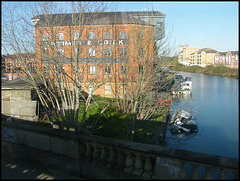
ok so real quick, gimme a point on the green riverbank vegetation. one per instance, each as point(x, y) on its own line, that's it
point(115, 124)
point(219, 70)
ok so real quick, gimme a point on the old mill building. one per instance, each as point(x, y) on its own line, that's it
point(104, 45)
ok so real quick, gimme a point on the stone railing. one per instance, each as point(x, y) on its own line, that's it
point(156, 162)
point(90, 156)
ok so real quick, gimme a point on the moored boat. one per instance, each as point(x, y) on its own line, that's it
point(182, 85)
point(182, 122)
point(186, 86)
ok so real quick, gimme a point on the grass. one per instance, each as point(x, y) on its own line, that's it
point(115, 124)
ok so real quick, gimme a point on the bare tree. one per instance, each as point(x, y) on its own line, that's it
point(141, 81)
point(137, 80)
point(62, 76)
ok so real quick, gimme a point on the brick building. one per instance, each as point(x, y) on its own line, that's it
point(13, 64)
point(3, 63)
point(219, 58)
point(103, 45)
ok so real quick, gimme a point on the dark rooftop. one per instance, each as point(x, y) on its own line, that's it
point(18, 84)
point(234, 52)
point(96, 18)
point(207, 50)
point(23, 55)
point(222, 53)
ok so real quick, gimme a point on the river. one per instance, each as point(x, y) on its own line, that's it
point(214, 100)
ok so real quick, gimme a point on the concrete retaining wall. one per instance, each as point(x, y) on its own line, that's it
point(16, 94)
point(23, 109)
point(89, 156)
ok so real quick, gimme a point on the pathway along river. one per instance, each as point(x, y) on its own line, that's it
point(217, 100)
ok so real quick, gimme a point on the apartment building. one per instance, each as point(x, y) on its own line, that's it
point(3, 63)
point(203, 57)
point(219, 58)
point(229, 59)
point(102, 45)
point(14, 65)
point(184, 54)
point(232, 58)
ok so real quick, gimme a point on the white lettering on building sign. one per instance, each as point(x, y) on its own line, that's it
point(85, 42)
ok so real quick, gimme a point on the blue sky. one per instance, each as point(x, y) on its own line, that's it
point(201, 24)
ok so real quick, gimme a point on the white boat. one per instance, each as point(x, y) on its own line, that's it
point(187, 91)
point(186, 86)
point(182, 121)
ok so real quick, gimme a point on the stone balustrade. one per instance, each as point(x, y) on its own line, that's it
point(104, 158)
point(155, 166)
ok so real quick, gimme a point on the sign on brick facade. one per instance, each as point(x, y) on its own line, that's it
point(85, 43)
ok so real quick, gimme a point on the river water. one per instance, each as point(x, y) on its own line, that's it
point(215, 103)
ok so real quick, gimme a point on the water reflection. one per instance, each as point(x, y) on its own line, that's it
point(215, 102)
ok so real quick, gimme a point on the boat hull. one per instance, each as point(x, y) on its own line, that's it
point(182, 122)
point(183, 128)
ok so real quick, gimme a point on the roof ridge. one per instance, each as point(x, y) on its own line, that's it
point(101, 12)
point(121, 17)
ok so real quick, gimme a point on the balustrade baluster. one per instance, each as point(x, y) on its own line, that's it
point(236, 174)
point(208, 173)
point(82, 150)
point(111, 158)
point(201, 172)
point(215, 173)
point(195, 173)
point(188, 170)
point(157, 169)
point(138, 165)
point(120, 161)
point(103, 157)
point(230, 175)
point(182, 171)
point(148, 167)
point(88, 152)
point(129, 163)
point(95, 152)
point(223, 174)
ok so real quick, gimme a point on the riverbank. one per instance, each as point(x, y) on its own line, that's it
point(208, 70)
